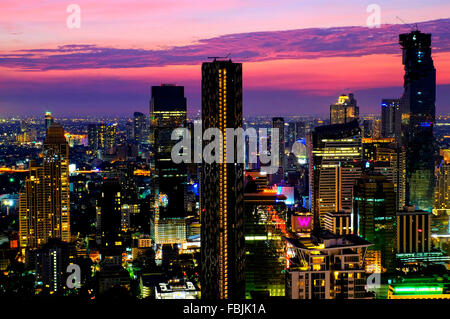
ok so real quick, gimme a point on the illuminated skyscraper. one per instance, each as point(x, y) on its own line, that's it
point(107, 137)
point(222, 189)
point(335, 164)
point(52, 260)
point(167, 113)
point(48, 120)
point(442, 190)
point(382, 155)
point(345, 110)
point(264, 245)
point(44, 205)
point(374, 219)
point(413, 231)
point(418, 118)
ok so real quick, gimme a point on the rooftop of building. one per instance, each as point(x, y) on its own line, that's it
point(326, 240)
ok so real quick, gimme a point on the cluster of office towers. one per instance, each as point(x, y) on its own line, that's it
point(356, 182)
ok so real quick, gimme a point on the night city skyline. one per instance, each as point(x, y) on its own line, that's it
point(229, 157)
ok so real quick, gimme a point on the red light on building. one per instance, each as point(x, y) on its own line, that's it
point(13, 244)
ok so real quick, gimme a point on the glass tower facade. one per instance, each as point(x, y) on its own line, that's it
point(418, 118)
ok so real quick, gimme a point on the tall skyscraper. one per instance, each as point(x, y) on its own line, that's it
point(390, 110)
point(139, 128)
point(374, 219)
point(345, 110)
point(44, 205)
point(222, 189)
point(48, 120)
point(418, 118)
point(167, 113)
point(334, 165)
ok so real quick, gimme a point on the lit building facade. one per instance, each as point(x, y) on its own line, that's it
point(222, 187)
point(334, 165)
point(442, 190)
point(49, 120)
point(413, 231)
point(382, 155)
point(326, 266)
point(107, 137)
point(264, 225)
point(423, 287)
point(45, 203)
point(344, 110)
point(338, 223)
point(374, 219)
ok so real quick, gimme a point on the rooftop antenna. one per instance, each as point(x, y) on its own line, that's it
point(412, 26)
point(219, 57)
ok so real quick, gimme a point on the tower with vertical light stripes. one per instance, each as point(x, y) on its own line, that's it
point(44, 204)
point(222, 187)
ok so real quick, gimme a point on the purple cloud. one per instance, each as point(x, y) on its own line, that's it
point(309, 43)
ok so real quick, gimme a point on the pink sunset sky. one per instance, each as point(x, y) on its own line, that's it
point(298, 55)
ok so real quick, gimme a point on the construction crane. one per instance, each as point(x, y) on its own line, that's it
point(411, 25)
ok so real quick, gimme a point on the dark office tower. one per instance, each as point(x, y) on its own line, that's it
point(375, 219)
point(167, 112)
point(418, 118)
point(222, 189)
point(129, 128)
point(334, 153)
point(139, 128)
point(44, 206)
point(48, 120)
point(109, 214)
point(296, 131)
point(390, 109)
point(382, 155)
point(51, 265)
point(264, 243)
point(413, 231)
point(278, 123)
point(344, 110)
point(92, 137)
